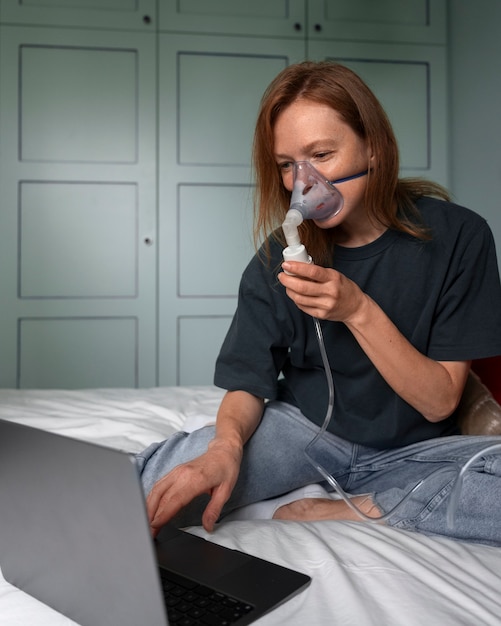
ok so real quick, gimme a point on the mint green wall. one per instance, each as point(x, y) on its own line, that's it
point(475, 117)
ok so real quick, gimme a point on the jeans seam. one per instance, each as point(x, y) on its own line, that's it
point(353, 464)
point(412, 523)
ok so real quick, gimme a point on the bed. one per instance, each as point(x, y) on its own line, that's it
point(365, 575)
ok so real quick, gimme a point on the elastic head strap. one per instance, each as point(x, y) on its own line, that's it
point(347, 178)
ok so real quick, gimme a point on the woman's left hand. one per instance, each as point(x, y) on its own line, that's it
point(321, 292)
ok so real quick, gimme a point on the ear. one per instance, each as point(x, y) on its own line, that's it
point(371, 160)
point(370, 156)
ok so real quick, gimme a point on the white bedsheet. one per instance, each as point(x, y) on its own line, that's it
point(126, 419)
point(363, 575)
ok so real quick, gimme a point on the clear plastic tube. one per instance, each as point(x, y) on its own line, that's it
point(332, 481)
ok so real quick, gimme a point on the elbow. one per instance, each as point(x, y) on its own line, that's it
point(446, 396)
point(443, 408)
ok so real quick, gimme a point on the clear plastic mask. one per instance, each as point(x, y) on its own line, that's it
point(312, 195)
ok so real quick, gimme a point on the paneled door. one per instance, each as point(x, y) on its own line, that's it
point(210, 88)
point(388, 21)
point(78, 208)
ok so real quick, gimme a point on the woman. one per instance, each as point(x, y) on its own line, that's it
point(406, 289)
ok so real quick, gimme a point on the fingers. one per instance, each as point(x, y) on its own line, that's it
point(184, 483)
point(309, 271)
point(165, 500)
point(314, 289)
point(308, 279)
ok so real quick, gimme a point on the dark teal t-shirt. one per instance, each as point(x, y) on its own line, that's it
point(444, 296)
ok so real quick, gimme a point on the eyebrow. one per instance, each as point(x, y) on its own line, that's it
point(310, 147)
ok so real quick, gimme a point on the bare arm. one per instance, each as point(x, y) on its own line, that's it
point(433, 388)
point(216, 471)
point(238, 417)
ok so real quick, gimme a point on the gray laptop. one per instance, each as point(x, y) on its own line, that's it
point(74, 534)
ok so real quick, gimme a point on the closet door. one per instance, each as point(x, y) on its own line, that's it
point(108, 14)
point(210, 88)
point(78, 220)
point(262, 18)
point(409, 21)
point(411, 83)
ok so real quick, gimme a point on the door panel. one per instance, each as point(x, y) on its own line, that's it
point(77, 352)
point(78, 104)
point(139, 15)
point(280, 18)
point(404, 21)
point(64, 240)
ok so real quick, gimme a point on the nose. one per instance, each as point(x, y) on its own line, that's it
point(302, 176)
point(301, 170)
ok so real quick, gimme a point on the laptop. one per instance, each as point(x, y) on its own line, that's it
point(75, 535)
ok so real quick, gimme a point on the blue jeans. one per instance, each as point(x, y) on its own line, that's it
point(274, 463)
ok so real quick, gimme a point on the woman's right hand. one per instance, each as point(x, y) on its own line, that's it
point(215, 473)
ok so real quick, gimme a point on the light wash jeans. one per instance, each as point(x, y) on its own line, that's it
point(274, 463)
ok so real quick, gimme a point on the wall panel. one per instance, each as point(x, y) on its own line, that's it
point(77, 352)
point(65, 232)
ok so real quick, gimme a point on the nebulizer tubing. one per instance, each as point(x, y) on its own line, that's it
point(314, 197)
point(327, 476)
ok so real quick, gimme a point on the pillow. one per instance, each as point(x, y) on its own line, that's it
point(489, 370)
point(478, 411)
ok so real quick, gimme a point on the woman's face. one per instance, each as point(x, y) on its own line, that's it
point(314, 132)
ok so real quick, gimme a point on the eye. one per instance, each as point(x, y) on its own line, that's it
point(285, 167)
point(321, 156)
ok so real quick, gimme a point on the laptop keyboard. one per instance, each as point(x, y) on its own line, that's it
point(191, 604)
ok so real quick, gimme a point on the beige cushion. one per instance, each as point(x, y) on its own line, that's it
point(479, 413)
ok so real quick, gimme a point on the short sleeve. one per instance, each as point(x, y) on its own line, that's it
point(468, 314)
point(256, 345)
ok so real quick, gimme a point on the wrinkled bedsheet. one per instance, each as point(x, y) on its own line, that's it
point(363, 574)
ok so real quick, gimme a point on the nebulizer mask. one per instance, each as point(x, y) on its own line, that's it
point(314, 197)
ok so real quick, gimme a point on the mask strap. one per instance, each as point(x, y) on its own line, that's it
point(347, 178)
